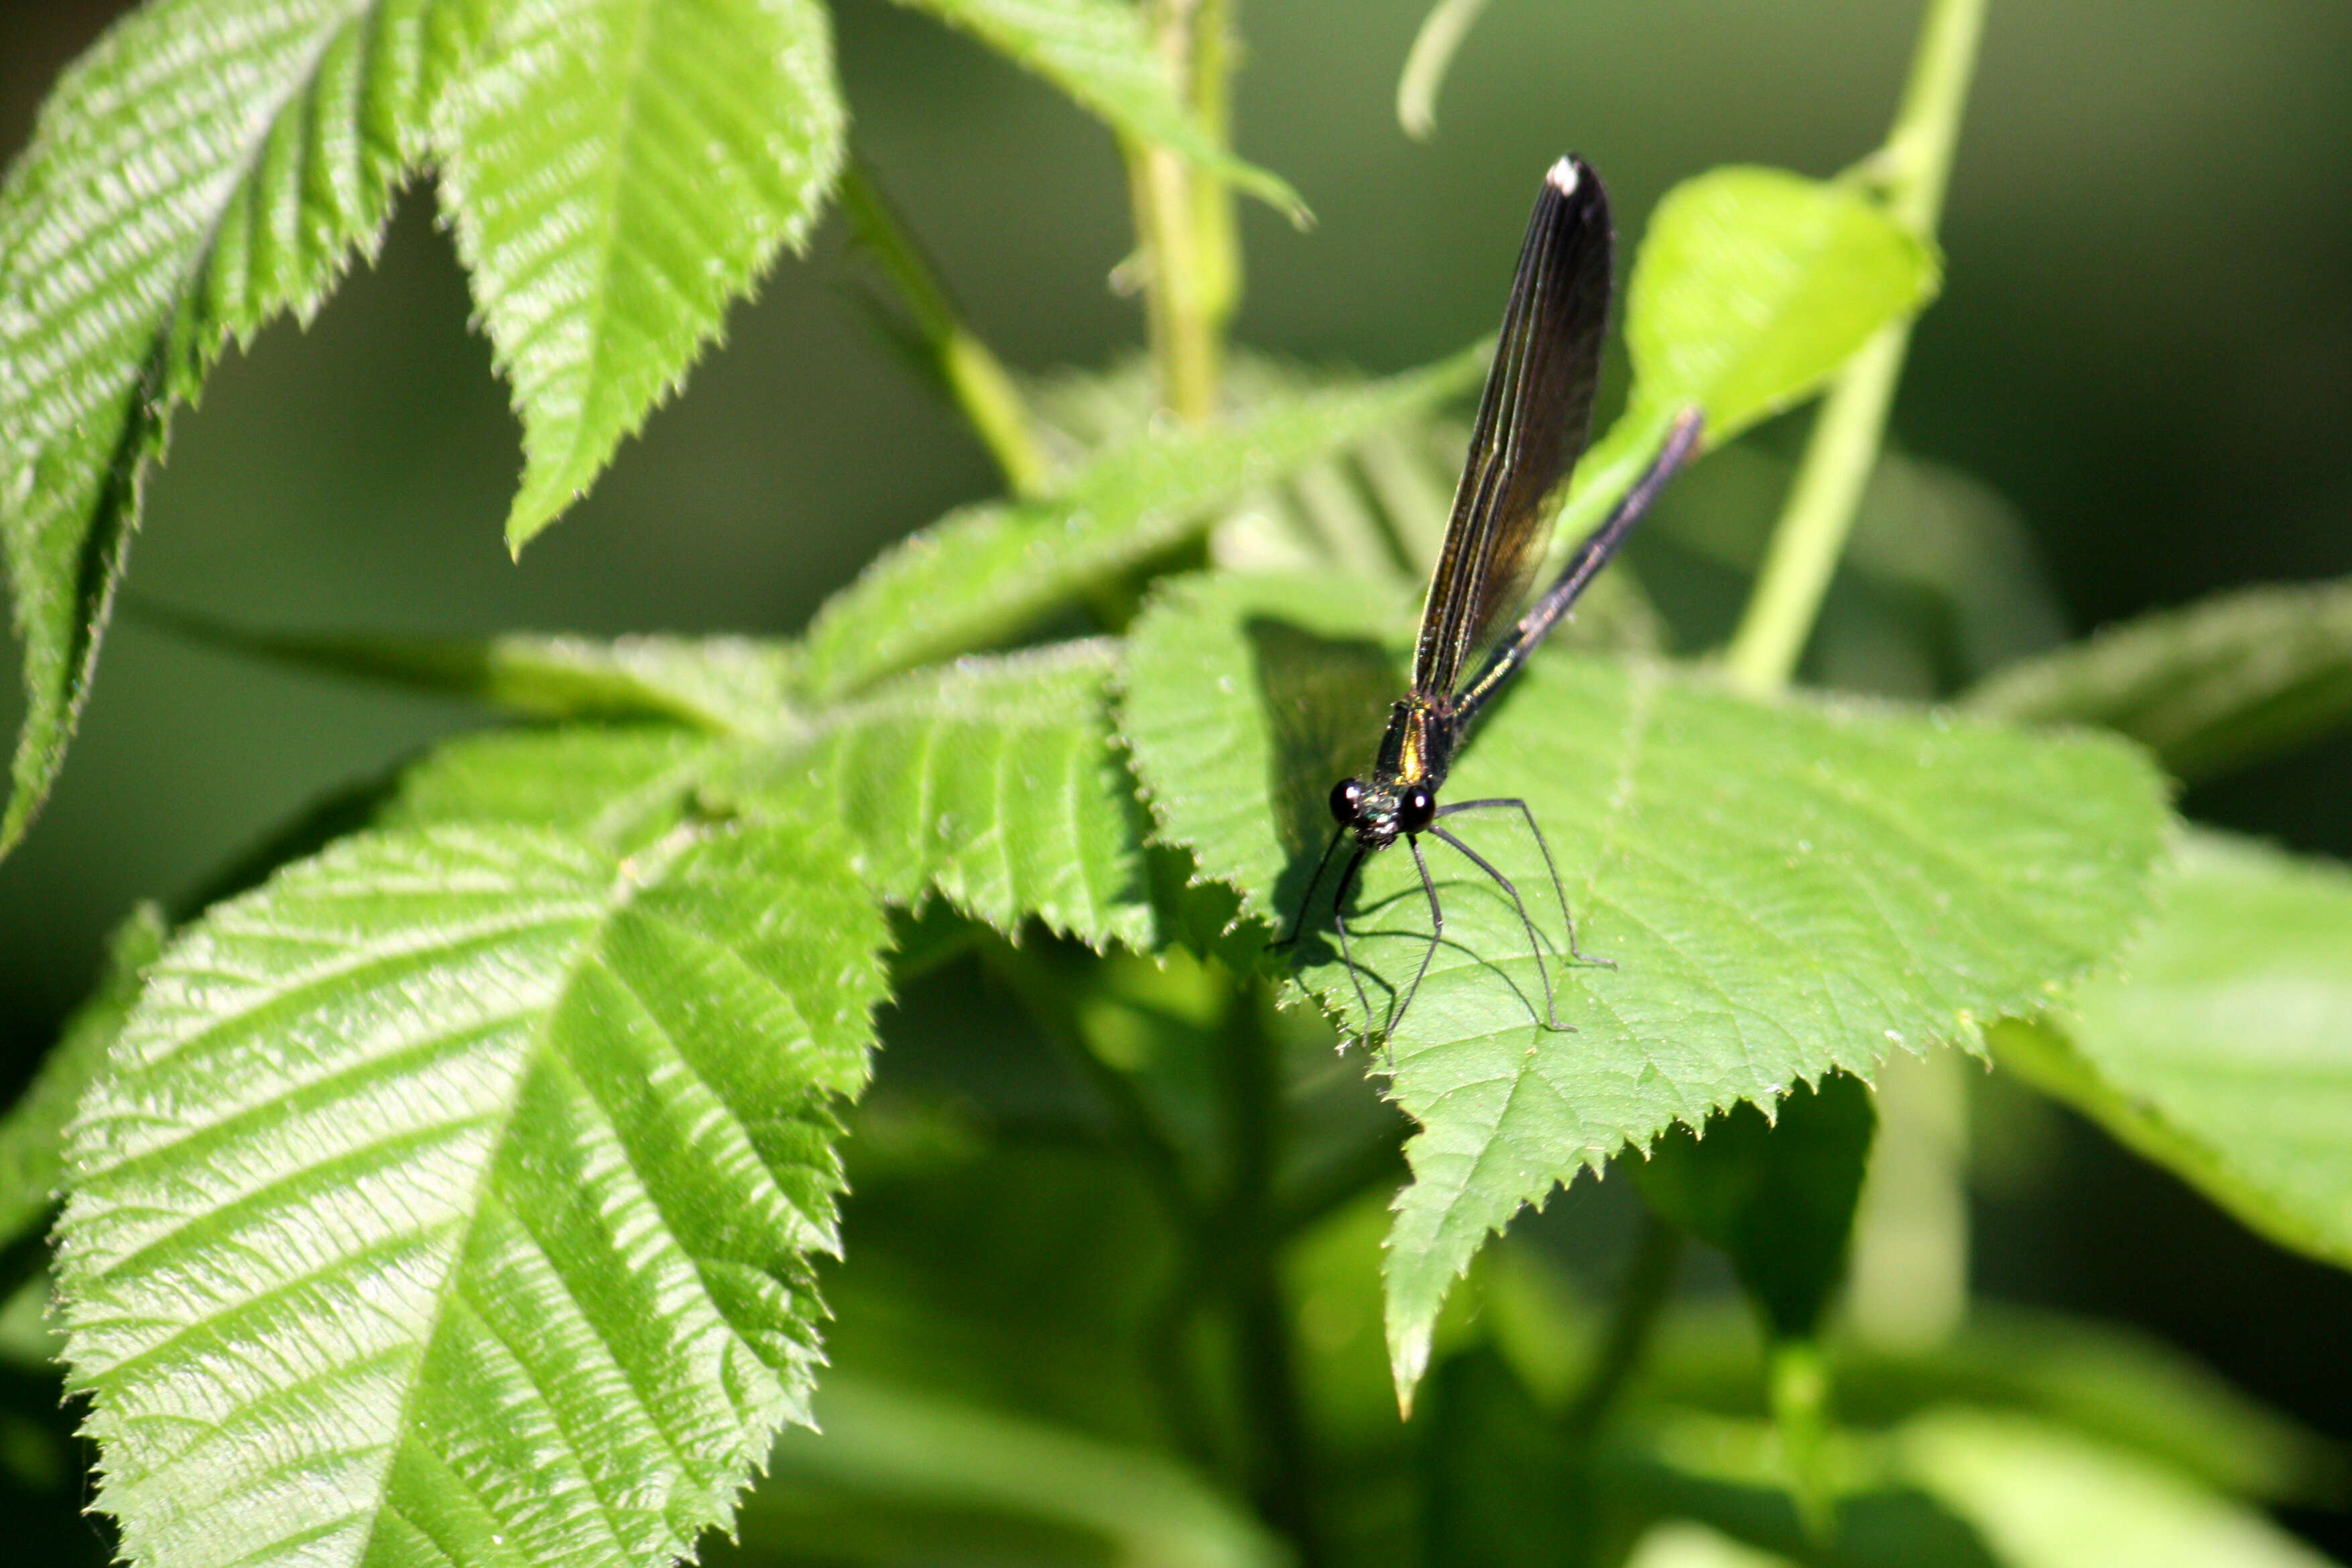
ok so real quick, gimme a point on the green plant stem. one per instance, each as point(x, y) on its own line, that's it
point(973, 376)
point(1269, 1393)
point(1913, 169)
point(1649, 1284)
point(1181, 297)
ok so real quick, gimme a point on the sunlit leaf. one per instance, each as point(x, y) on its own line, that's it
point(620, 785)
point(987, 573)
point(1753, 285)
point(208, 165)
point(995, 780)
point(455, 1195)
point(2223, 1047)
point(1783, 889)
point(1099, 52)
point(617, 174)
point(2042, 1497)
point(2222, 684)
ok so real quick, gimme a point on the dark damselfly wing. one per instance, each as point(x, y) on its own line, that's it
point(1533, 421)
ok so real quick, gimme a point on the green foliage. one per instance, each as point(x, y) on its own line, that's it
point(1754, 284)
point(2221, 684)
point(1097, 52)
point(2044, 1498)
point(209, 165)
point(454, 1189)
point(988, 573)
point(1775, 1191)
point(2223, 1047)
point(501, 1160)
point(994, 781)
point(1862, 880)
point(617, 174)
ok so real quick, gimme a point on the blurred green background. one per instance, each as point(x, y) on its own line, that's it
point(2145, 346)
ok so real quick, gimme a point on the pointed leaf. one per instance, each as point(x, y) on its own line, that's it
point(208, 165)
point(1753, 285)
point(2220, 684)
point(987, 573)
point(455, 1195)
point(32, 1134)
point(1099, 52)
point(737, 685)
point(1783, 889)
point(2223, 1050)
point(995, 780)
point(618, 174)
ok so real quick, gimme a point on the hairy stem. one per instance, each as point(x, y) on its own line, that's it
point(1913, 169)
point(974, 377)
point(1191, 272)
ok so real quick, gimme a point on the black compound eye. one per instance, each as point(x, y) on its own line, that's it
point(1346, 798)
point(1416, 809)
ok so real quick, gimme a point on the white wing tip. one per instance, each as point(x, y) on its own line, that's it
point(1563, 176)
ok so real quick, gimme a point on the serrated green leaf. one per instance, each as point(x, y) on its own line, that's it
point(208, 165)
point(2042, 1497)
point(995, 780)
point(453, 1198)
point(2223, 1050)
point(32, 1134)
point(617, 174)
point(1099, 52)
point(739, 685)
point(619, 785)
point(1784, 889)
point(1776, 1196)
point(1753, 285)
point(987, 573)
point(2220, 684)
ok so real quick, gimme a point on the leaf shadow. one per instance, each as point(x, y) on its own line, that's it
point(1326, 700)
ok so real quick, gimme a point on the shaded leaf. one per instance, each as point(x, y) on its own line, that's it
point(1776, 1196)
point(457, 1194)
point(2223, 1050)
point(739, 684)
point(987, 573)
point(896, 1454)
point(995, 780)
point(1784, 889)
point(207, 165)
point(1099, 52)
point(2231, 681)
point(32, 1134)
point(617, 174)
point(1753, 285)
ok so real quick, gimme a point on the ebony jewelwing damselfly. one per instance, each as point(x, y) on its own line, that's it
point(1533, 421)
